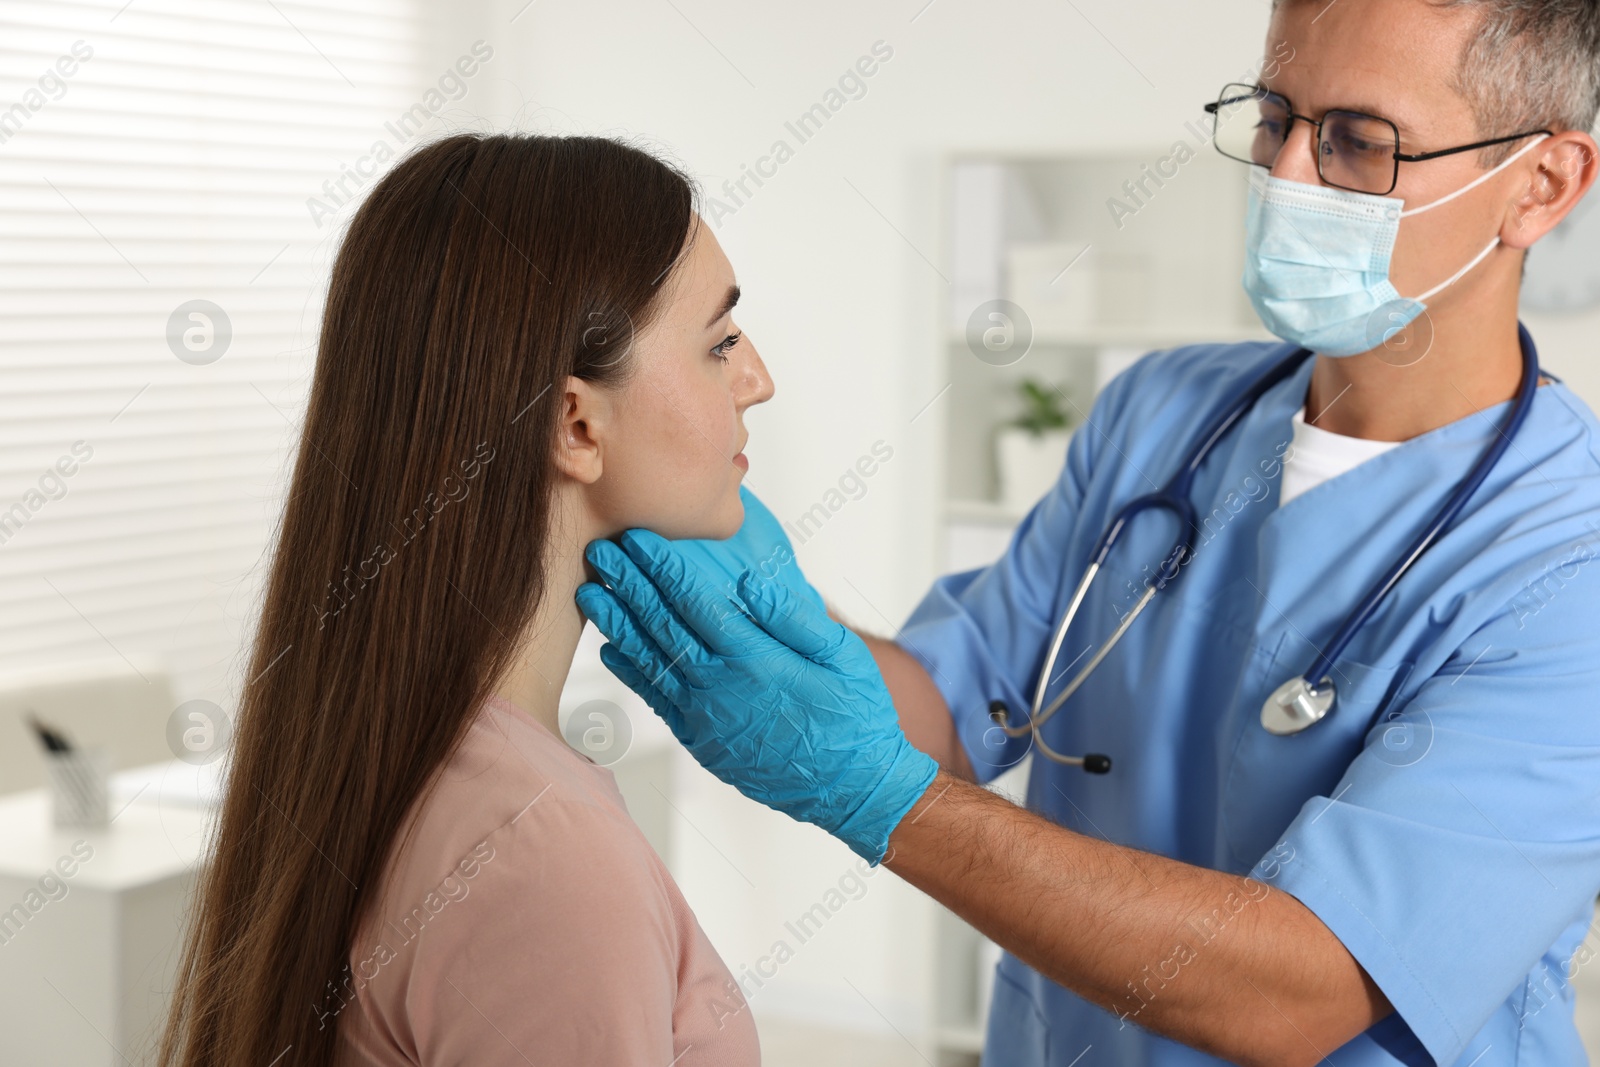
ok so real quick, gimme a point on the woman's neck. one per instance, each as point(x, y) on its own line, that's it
point(545, 650)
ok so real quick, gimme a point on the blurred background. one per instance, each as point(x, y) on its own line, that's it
point(952, 223)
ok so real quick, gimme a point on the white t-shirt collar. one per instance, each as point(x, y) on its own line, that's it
point(1318, 455)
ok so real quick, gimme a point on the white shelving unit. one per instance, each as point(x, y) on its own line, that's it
point(1165, 275)
point(1102, 285)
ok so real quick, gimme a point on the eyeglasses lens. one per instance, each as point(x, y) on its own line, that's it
point(1357, 152)
point(1251, 124)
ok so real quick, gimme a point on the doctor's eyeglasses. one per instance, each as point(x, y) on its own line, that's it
point(1354, 151)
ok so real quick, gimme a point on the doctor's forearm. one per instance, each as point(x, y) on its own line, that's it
point(1139, 934)
point(923, 713)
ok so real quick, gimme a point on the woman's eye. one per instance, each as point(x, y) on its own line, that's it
point(721, 350)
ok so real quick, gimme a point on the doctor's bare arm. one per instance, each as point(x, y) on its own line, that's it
point(924, 715)
point(1272, 985)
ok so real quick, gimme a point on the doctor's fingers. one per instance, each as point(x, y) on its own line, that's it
point(664, 671)
point(790, 619)
point(645, 605)
point(629, 675)
point(717, 618)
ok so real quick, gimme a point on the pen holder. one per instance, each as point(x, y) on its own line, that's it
point(79, 793)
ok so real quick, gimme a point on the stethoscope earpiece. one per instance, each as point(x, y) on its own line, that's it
point(1091, 762)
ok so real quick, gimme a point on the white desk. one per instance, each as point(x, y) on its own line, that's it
point(84, 978)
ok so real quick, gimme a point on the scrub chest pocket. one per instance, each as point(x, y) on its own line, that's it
point(1270, 777)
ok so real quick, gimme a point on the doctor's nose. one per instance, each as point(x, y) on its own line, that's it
point(1297, 159)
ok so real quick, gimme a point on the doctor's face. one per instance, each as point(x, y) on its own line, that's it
point(674, 458)
point(1398, 59)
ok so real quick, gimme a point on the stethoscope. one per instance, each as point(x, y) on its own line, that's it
point(1302, 701)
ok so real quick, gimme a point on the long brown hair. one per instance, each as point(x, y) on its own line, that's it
point(479, 273)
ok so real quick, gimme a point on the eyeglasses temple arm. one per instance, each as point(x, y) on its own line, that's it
point(1424, 156)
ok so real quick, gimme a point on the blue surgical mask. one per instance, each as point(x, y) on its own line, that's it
point(1317, 262)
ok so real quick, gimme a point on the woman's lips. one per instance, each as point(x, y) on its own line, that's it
point(740, 462)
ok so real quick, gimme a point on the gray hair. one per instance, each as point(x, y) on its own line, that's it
point(1532, 64)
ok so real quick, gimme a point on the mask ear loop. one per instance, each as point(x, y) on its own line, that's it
point(1458, 275)
point(1479, 180)
point(1494, 243)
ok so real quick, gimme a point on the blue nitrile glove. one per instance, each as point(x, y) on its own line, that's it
point(760, 546)
point(767, 692)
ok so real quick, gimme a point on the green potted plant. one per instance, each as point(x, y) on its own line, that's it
point(1031, 448)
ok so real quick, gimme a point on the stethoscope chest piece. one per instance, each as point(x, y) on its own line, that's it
point(1296, 705)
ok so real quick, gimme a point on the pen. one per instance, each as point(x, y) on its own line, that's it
point(52, 741)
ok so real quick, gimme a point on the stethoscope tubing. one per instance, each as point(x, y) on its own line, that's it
point(1463, 492)
point(1174, 497)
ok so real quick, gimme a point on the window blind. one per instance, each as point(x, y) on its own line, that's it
point(163, 267)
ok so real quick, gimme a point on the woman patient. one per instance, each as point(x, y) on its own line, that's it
point(527, 344)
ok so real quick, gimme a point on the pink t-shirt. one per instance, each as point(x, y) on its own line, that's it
point(528, 921)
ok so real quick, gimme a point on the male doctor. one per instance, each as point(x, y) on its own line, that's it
point(1410, 879)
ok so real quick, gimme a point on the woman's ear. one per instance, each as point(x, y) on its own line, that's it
point(580, 430)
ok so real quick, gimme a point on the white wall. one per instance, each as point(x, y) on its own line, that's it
point(1567, 349)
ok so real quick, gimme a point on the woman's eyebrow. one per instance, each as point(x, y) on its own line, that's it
point(728, 301)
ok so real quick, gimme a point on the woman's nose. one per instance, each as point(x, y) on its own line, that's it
point(752, 384)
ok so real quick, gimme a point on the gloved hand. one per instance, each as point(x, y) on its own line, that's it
point(766, 692)
point(760, 546)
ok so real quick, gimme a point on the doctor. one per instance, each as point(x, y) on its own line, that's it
point(1409, 879)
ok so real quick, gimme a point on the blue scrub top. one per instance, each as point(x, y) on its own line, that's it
point(1443, 821)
